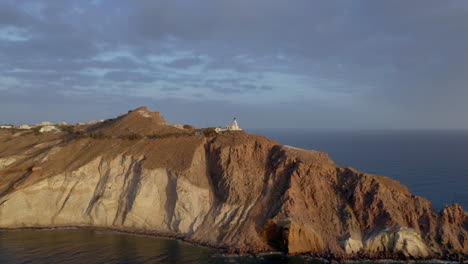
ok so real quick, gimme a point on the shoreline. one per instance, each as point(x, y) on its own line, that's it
point(235, 252)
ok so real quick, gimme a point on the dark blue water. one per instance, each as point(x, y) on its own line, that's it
point(431, 164)
point(95, 246)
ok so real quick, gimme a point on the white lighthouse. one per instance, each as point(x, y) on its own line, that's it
point(233, 127)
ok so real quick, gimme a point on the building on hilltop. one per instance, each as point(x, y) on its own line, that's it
point(45, 123)
point(48, 129)
point(233, 127)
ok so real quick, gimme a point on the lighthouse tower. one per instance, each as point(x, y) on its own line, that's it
point(235, 125)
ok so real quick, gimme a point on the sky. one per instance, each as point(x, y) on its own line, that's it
point(271, 63)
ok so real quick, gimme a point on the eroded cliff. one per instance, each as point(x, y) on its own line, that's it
point(237, 191)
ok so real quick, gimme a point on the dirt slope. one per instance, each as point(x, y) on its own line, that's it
point(139, 121)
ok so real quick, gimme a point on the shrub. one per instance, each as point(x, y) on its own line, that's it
point(108, 120)
point(154, 136)
point(68, 129)
point(99, 136)
point(36, 131)
point(170, 135)
point(188, 127)
point(209, 132)
point(132, 136)
point(81, 134)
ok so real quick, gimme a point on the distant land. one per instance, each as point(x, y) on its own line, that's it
point(220, 187)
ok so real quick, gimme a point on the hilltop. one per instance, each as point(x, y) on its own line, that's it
point(139, 121)
point(235, 191)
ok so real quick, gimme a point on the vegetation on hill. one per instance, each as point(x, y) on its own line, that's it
point(36, 131)
point(209, 132)
point(132, 136)
point(69, 129)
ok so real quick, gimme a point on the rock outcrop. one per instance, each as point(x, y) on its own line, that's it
point(46, 129)
point(236, 191)
point(401, 240)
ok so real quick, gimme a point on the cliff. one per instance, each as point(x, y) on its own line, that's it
point(236, 191)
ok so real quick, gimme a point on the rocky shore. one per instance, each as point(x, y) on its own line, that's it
point(238, 192)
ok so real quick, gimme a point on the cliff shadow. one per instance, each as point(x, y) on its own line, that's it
point(277, 180)
point(169, 206)
point(131, 187)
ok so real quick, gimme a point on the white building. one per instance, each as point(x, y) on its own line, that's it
point(45, 123)
point(6, 126)
point(48, 129)
point(233, 127)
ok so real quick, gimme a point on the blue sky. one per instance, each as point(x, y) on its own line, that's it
point(272, 64)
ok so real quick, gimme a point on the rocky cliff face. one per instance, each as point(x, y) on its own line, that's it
point(237, 191)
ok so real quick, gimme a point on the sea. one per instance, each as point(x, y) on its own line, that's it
point(433, 164)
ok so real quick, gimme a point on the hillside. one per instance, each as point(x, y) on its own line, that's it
point(235, 191)
point(139, 121)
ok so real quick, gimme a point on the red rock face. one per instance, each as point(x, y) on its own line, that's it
point(236, 191)
point(301, 202)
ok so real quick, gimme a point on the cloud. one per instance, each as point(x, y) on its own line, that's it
point(170, 89)
point(123, 76)
point(400, 57)
point(184, 63)
point(12, 16)
point(223, 90)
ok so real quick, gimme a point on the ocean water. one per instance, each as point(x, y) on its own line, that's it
point(432, 164)
point(96, 246)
